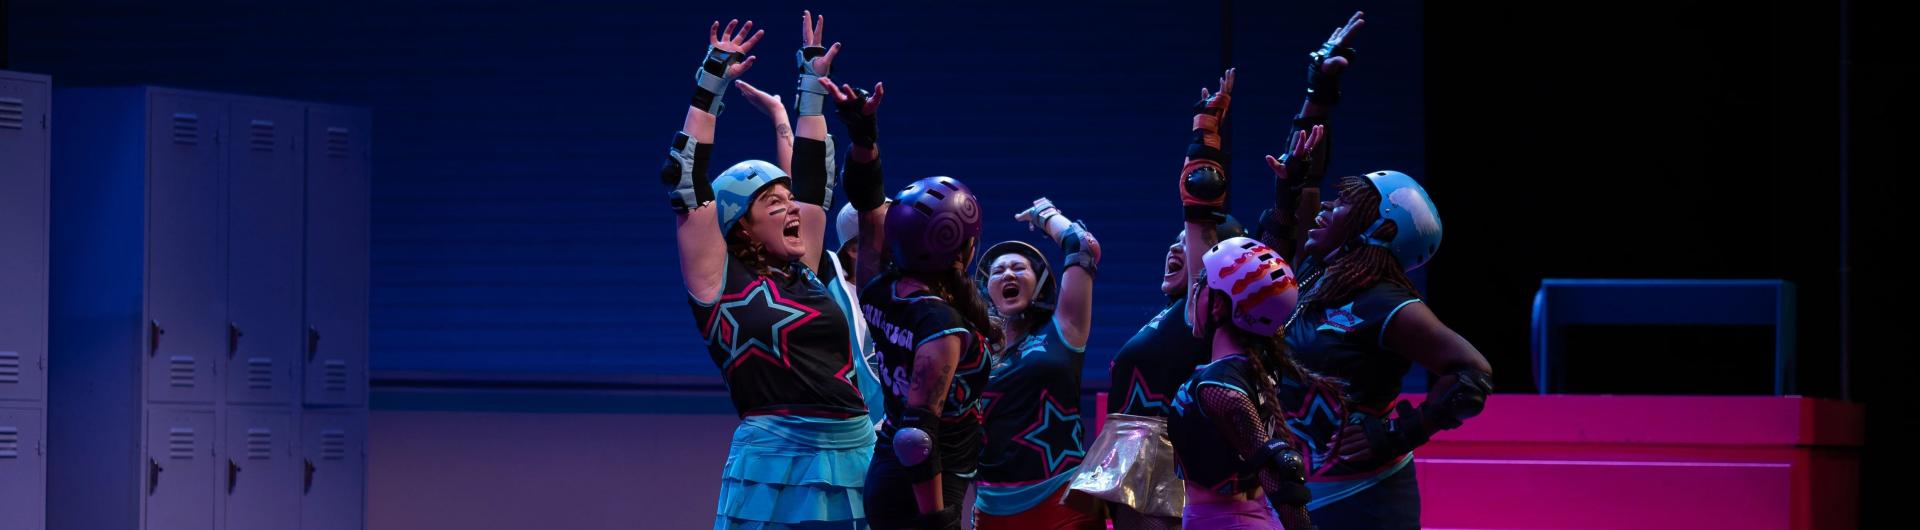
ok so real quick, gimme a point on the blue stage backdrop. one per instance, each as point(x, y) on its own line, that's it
point(521, 234)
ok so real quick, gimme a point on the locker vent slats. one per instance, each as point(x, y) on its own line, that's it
point(333, 444)
point(13, 113)
point(180, 441)
point(335, 373)
point(9, 367)
point(338, 142)
point(9, 442)
point(260, 135)
point(259, 444)
point(186, 128)
point(180, 371)
point(260, 373)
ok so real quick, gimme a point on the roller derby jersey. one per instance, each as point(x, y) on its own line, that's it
point(1032, 406)
point(1154, 363)
point(783, 342)
point(900, 325)
point(1345, 340)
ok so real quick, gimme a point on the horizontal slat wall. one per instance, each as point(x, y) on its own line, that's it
point(519, 230)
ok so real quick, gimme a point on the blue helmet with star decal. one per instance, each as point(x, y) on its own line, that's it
point(734, 189)
point(1416, 220)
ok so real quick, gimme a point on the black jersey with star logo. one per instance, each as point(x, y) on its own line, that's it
point(1033, 410)
point(899, 325)
point(784, 342)
point(1347, 340)
point(1154, 363)
point(1344, 340)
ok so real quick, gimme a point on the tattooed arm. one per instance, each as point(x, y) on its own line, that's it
point(933, 366)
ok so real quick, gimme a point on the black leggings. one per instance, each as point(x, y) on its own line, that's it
point(890, 502)
point(1393, 504)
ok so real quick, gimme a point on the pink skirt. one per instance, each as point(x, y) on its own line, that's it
point(1239, 515)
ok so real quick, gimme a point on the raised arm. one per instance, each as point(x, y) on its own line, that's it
point(856, 108)
point(1297, 189)
point(1324, 67)
point(703, 249)
point(775, 111)
point(813, 172)
point(1282, 227)
point(1074, 312)
point(1203, 187)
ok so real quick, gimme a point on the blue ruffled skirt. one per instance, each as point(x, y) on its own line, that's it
point(795, 472)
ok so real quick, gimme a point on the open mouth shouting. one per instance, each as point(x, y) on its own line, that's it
point(1176, 263)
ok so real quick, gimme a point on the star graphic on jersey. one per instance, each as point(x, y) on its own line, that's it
point(1031, 345)
point(755, 322)
point(1316, 421)
point(1181, 399)
point(960, 395)
point(1139, 399)
point(855, 366)
point(1055, 434)
point(987, 399)
point(1341, 320)
point(852, 378)
point(1155, 323)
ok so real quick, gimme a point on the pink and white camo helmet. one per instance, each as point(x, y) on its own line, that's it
point(1260, 284)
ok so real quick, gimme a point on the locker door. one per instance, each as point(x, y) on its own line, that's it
point(186, 280)
point(334, 488)
point(262, 480)
point(23, 239)
point(264, 208)
point(180, 469)
point(23, 469)
point(337, 257)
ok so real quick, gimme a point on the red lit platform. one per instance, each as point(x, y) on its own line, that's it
point(1563, 461)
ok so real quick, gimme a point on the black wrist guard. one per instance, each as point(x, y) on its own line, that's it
point(686, 171)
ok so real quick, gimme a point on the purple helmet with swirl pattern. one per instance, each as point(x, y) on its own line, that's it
point(931, 223)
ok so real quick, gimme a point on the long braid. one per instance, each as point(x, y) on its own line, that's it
point(1270, 356)
point(957, 288)
point(1261, 358)
point(1287, 367)
point(1358, 265)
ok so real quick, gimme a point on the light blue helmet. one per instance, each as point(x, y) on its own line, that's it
point(1405, 203)
point(733, 190)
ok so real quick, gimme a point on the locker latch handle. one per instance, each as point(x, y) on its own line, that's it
point(233, 338)
point(233, 475)
point(313, 342)
point(154, 331)
point(153, 476)
point(308, 487)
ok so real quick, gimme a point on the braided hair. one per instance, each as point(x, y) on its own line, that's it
point(1357, 266)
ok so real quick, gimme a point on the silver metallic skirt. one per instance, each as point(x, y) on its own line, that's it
point(1132, 463)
